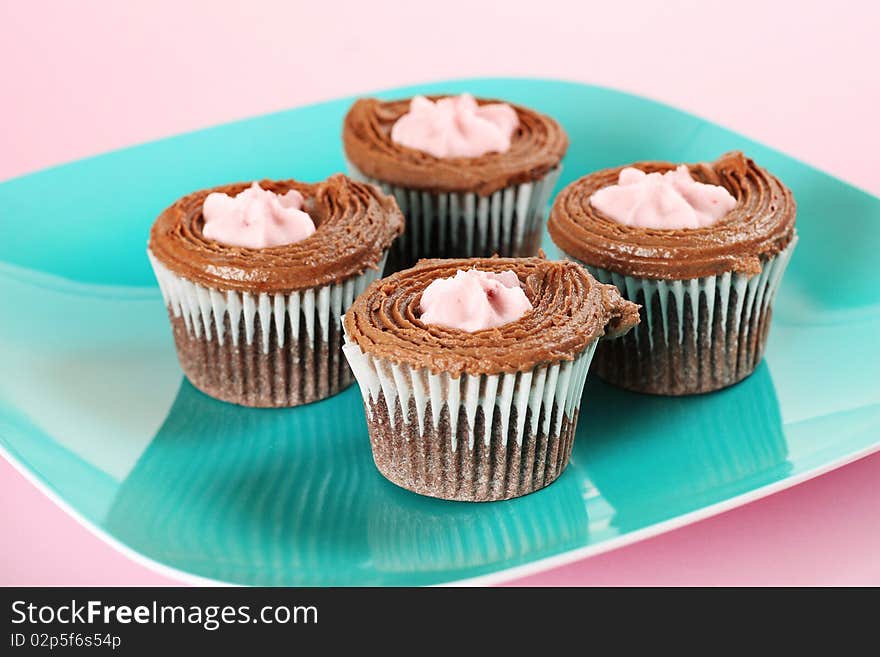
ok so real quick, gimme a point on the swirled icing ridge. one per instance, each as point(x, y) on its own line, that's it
point(537, 146)
point(570, 310)
point(759, 226)
point(355, 225)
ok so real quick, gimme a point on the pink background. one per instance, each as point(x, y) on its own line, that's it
point(82, 78)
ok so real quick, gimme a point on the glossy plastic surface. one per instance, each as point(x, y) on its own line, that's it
point(92, 401)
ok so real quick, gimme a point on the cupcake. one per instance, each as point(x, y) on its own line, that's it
point(702, 248)
point(473, 176)
point(472, 370)
point(255, 277)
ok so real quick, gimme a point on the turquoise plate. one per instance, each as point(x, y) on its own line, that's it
point(94, 408)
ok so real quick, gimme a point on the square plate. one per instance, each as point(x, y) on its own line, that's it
point(94, 408)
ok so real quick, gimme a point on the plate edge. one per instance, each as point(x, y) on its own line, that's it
point(498, 577)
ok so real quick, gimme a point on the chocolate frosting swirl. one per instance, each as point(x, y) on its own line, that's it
point(537, 147)
point(355, 224)
point(760, 225)
point(570, 310)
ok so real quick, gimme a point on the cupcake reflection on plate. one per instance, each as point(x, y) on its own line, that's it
point(704, 454)
point(410, 535)
point(235, 494)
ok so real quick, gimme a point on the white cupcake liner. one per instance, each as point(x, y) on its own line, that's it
point(547, 391)
point(465, 224)
point(417, 418)
point(204, 309)
point(230, 334)
point(733, 310)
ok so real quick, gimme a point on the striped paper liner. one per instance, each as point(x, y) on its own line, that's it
point(464, 224)
point(473, 437)
point(261, 349)
point(695, 335)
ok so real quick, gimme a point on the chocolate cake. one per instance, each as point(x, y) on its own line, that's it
point(458, 206)
point(484, 415)
point(260, 326)
point(705, 293)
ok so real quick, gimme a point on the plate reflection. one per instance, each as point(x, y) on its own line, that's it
point(291, 496)
point(652, 458)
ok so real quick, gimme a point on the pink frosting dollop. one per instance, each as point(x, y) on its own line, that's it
point(456, 127)
point(474, 300)
point(671, 200)
point(256, 218)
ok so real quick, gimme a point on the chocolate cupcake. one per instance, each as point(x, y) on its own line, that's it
point(256, 277)
point(472, 176)
point(701, 247)
point(472, 370)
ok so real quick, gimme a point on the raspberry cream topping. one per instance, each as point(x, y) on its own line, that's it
point(474, 300)
point(456, 126)
point(536, 148)
point(256, 218)
point(355, 224)
point(671, 200)
point(569, 310)
point(761, 225)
